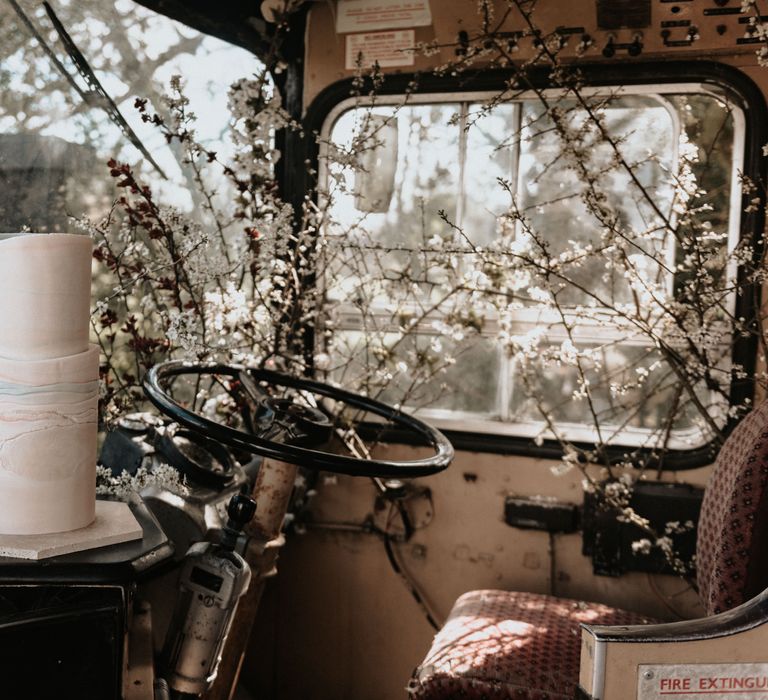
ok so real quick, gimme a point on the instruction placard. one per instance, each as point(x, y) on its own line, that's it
point(388, 49)
point(704, 681)
point(367, 15)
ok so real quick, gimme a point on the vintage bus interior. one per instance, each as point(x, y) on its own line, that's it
point(431, 349)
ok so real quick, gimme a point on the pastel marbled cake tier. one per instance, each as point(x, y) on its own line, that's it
point(48, 385)
point(45, 295)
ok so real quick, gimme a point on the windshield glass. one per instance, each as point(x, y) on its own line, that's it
point(59, 129)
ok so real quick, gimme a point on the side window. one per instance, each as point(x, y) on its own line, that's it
point(508, 274)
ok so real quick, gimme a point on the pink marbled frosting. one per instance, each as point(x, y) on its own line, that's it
point(45, 295)
point(48, 385)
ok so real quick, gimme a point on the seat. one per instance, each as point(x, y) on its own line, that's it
point(499, 644)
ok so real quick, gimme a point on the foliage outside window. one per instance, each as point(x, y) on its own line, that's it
point(538, 255)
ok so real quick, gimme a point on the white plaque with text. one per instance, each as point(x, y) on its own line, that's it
point(388, 49)
point(369, 15)
point(700, 681)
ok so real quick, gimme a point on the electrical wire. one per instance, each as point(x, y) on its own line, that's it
point(409, 584)
point(664, 599)
point(552, 565)
point(389, 541)
point(402, 572)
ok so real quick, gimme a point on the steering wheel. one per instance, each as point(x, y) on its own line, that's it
point(160, 376)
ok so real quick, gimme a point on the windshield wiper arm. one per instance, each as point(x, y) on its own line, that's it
point(96, 96)
point(50, 53)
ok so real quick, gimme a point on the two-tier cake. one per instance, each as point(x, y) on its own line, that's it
point(48, 384)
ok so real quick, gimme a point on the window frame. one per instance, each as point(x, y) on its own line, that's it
point(653, 78)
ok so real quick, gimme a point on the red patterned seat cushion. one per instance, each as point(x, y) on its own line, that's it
point(733, 525)
point(497, 644)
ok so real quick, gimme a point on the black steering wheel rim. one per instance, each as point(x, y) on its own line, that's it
point(294, 454)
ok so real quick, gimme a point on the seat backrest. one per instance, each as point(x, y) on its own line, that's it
point(732, 541)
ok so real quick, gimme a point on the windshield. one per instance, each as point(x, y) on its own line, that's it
point(70, 78)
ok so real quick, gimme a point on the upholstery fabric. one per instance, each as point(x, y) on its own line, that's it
point(729, 529)
point(498, 644)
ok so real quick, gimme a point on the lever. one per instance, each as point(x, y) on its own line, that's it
point(240, 510)
point(463, 43)
point(609, 50)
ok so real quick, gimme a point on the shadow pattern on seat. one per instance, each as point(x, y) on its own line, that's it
point(498, 644)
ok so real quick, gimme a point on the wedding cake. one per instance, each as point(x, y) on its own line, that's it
point(48, 384)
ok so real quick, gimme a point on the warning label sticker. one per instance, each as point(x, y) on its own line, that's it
point(366, 15)
point(388, 49)
point(684, 681)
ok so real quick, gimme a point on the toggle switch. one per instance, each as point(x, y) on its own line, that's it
point(609, 50)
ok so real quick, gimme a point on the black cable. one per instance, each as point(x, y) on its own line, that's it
point(408, 583)
point(552, 565)
point(388, 539)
